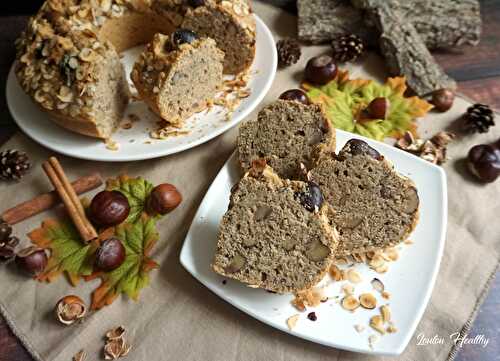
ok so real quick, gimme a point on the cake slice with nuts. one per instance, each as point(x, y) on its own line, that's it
point(374, 206)
point(286, 133)
point(275, 234)
point(178, 75)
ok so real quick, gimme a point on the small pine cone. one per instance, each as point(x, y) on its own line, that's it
point(347, 48)
point(13, 164)
point(479, 118)
point(288, 51)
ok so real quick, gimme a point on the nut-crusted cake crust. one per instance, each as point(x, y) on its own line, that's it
point(373, 206)
point(68, 62)
point(268, 237)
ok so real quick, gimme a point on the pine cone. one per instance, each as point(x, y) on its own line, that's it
point(347, 48)
point(288, 51)
point(479, 118)
point(5, 231)
point(7, 242)
point(13, 164)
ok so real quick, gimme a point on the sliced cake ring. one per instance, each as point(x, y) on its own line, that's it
point(374, 207)
point(178, 75)
point(286, 133)
point(275, 234)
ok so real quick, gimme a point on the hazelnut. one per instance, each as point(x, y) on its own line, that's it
point(32, 260)
point(360, 147)
point(109, 208)
point(443, 99)
point(70, 309)
point(236, 264)
point(110, 255)
point(296, 95)
point(411, 200)
point(163, 199)
point(320, 70)
point(484, 162)
point(379, 108)
point(368, 301)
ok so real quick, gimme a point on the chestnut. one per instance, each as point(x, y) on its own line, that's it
point(379, 108)
point(321, 70)
point(443, 99)
point(296, 95)
point(483, 161)
point(360, 147)
point(109, 208)
point(110, 255)
point(70, 309)
point(196, 3)
point(32, 260)
point(163, 199)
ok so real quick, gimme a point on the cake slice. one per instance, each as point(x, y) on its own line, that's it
point(374, 206)
point(275, 234)
point(178, 75)
point(286, 133)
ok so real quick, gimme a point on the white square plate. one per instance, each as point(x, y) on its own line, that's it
point(410, 279)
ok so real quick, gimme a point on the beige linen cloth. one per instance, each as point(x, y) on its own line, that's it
point(178, 319)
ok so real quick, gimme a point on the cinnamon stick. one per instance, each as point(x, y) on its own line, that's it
point(48, 200)
point(87, 232)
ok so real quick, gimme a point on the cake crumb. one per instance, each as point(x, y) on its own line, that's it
point(111, 145)
point(292, 321)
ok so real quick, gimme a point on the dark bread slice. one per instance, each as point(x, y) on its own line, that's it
point(275, 234)
point(285, 133)
point(374, 206)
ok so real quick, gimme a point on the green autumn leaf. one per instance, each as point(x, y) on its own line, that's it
point(138, 239)
point(344, 101)
point(68, 253)
point(136, 190)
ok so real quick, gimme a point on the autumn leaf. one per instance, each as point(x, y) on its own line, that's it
point(68, 252)
point(138, 239)
point(136, 190)
point(344, 101)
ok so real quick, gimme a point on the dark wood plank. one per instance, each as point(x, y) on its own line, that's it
point(10, 348)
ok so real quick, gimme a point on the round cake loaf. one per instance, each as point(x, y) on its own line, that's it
point(68, 62)
point(373, 206)
point(275, 234)
point(286, 133)
point(177, 80)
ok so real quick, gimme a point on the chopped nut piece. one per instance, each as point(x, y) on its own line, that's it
point(377, 261)
point(342, 261)
point(382, 269)
point(386, 295)
point(80, 356)
point(359, 328)
point(378, 285)
point(311, 298)
point(292, 321)
point(377, 324)
point(113, 349)
point(353, 276)
point(391, 329)
point(115, 333)
point(348, 289)
point(350, 303)
point(392, 254)
point(367, 300)
point(335, 273)
point(408, 241)
point(385, 311)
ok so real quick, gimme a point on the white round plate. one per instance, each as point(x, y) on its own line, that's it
point(135, 143)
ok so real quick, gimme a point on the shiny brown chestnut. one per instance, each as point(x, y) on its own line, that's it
point(163, 199)
point(296, 95)
point(32, 260)
point(321, 70)
point(360, 147)
point(110, 255)
point(483, 161)
point(379, 108)
point(443, 99)
point(109, 208)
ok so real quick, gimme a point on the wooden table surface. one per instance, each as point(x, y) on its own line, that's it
point(477, 70)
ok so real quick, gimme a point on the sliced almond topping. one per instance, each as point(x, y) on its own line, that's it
point(382, 269)
point(385, 311)
point(377, 324)
point(292, 321)
point(367, 300)
point(392, 329)
point(353, 276)
point(376, 261)
point(350, 303)
point(378, 285)
point(335, 273)
point(392, 254)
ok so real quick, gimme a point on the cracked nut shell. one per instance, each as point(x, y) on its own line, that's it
point(70, 309)
point(32, 260)
point(164, 198)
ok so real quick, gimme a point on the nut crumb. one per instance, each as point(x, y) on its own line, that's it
point(359, 328)
point(350, 303)
point(408, 241)
point(386, 295)
point(377, 324)
point(391, 329)
point(348, 289)
point(378, 285)
point(385, 311)
point(368, 301)
point(292, 321)
point(335, 273)
point(372, 340)
point(127, 125)
point(111, 145)
point(353, 276)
